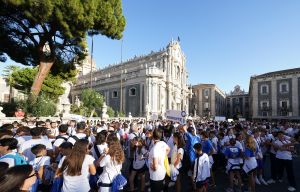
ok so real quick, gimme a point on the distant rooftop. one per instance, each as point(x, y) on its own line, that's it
point(286, 71)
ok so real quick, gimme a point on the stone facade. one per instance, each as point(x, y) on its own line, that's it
point(207, 101)
point(237, 104)
point(275, 95)
point(142, 85)
point(5, 92)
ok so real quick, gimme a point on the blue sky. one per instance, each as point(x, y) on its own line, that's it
point(225, 42)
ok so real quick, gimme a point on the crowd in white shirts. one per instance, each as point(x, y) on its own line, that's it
point(155, 155)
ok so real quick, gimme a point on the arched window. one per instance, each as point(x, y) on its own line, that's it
point(132, 91)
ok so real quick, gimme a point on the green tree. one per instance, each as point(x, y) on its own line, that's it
point(91, 100)
point(51, 33)
point(110, 112)
point(22, 79)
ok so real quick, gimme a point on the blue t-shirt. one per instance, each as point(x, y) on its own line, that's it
point(249, 153)
point(232, 152)
point(207, 146)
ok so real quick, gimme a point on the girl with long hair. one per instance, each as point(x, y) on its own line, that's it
point(18, 178)
point(250, 163)
point(111, 162)
point(76, 168)
point(177, 157)
point(139, 163)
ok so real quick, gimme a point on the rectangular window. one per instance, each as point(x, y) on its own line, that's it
point(284, 104)
point(284, 88)
point(264, 89)
point(264, 113)
point(115, 94)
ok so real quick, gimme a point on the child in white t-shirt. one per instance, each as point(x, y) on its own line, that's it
point(139, 163)
point(40, 165)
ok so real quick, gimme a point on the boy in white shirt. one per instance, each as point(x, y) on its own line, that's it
point(201, 169)
point(40, 164)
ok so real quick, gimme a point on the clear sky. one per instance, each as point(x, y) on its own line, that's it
point(225, 42)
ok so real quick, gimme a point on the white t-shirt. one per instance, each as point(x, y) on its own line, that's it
point(22, 139)
point(77, 183)
point(71, 131)
point(283, 154)
point(9, 161)
point(59, 141)
point(214, 142)
point(174, 154)
point(110, 170)
point(37, 163)
point(25, 148)
point(202, 172)
point(138, 158)
point(158, 151)
point(100, 148)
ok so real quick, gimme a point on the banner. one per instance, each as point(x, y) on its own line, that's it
point(175, 115)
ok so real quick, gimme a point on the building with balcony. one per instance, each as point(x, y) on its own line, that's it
point(237, 104)
point(207, 101)
point(142, 85)
point(275, 95)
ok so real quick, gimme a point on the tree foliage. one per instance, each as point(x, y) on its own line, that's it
point(92, 100)
point(22, 79)
point(110, 112)
point(51, 33)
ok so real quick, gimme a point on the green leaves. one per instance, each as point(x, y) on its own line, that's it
point(22, 79)
point(27, 26)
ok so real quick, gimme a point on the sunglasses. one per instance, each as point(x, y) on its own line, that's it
point(35, 174)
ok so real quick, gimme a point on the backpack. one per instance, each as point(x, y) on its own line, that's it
point(19, 160)
point(76, 138)
point(61, 137)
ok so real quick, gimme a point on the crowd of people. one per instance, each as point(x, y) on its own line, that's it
point(135, 156)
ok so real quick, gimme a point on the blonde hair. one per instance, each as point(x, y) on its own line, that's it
point(250, 143)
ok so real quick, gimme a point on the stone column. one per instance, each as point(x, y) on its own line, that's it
point(213, 102)
point(200, 105)
point(295, 99)
point(254, 99)
point(141, 99)
point(274, 98)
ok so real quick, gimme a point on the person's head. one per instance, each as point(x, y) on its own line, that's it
point(250, 143)
point(40, 124)
point(157, 134)
point(198, 148)
point(191, 130)
point(66, 148)
point(81, 126)
point(7, 145)
point(39, 150)
point(101, 137)
point(204, 135)
point(17, 178)
point(116, 152)
point(72, 123)
point(256, 133)
point(232, 142)
point(149, 133)
point(178, 140)
point(63, 128)
point(6, 134)
point(239, 136)
point(36, 132)
point(134, 127)
point(53, 124)
point(8, 127)
point(212, 134)
point(280, 135)
point(73, 163)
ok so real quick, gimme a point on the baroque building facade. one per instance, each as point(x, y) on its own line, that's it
point(275, 95)
point(207, 101)
point(142, 85)
point(237, 104)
